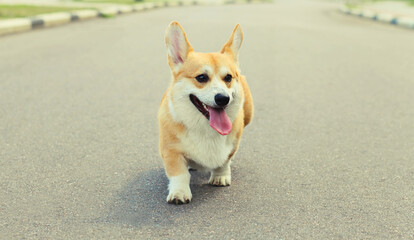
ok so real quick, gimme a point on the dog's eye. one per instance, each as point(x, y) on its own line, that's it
point(202, 78)
point(228, 78)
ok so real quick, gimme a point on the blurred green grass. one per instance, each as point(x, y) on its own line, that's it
point(25, 10)
point(357, 2)
point(119, 1)
point(410, 2)
point(18, 11)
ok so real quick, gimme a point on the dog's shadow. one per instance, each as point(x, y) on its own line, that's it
point(143, 200)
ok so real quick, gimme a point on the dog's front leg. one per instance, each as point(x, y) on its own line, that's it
point(221, 176)
point(179, 177)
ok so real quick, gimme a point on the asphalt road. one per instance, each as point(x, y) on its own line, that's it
point(329, 155)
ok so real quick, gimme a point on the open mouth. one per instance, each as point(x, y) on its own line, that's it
point(217, 117)
point(200, 106)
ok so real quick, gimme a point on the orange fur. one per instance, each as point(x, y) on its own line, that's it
point(248, 102)
point(170, 152)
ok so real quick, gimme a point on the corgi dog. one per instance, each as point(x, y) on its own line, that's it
point(202, 113)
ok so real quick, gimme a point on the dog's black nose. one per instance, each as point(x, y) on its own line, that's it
point(221, 100)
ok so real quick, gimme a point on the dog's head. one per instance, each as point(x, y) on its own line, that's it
point(206, 84)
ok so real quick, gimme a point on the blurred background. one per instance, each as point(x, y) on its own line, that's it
point(28, 8)
point(329, 154)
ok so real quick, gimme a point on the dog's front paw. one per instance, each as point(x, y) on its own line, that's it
point(179, 196)
point(179, 189)
point(220, 180)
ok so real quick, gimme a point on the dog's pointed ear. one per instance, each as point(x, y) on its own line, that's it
point(233, 44)
point(177, 44)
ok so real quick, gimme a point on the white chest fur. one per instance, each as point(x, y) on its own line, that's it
point(201, 143)
point(207, 148)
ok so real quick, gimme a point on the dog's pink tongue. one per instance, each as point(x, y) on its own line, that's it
point(219, 120)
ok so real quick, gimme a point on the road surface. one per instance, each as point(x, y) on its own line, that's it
point(329, 155)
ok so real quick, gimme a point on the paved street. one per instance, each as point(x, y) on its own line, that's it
point(329, 155)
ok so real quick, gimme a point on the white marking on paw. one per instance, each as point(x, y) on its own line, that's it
point(179, 189)
point(220, 180)
point(221, 176)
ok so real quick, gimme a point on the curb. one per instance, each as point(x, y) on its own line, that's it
point(402, 21)
point(17, 25)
